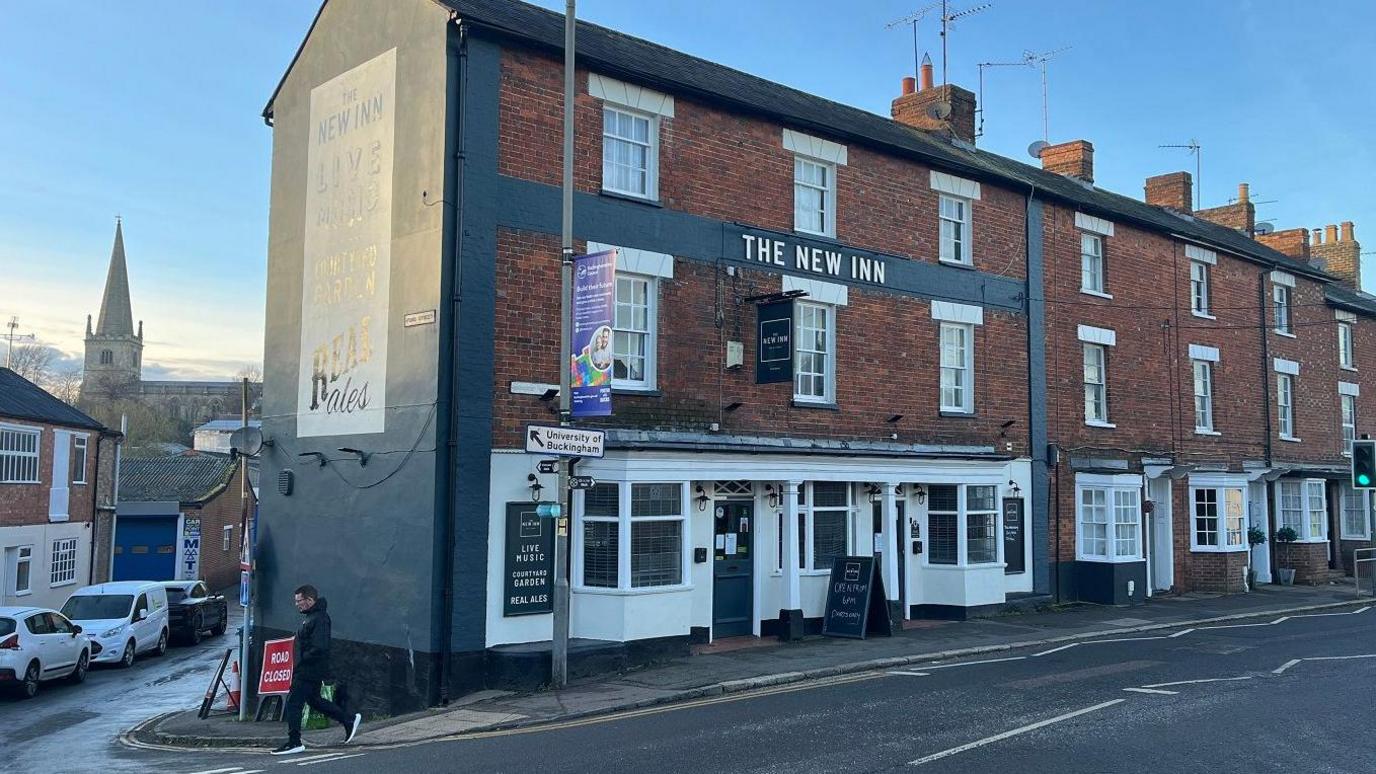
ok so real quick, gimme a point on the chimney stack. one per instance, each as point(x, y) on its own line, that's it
point(1293, 242)
point(955, 118)
point(1240, 215)
point(1342, 254)
point(1072, 159)
point(1174, 190)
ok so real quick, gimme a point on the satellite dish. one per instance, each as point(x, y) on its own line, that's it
point(1035, 149)
point(247, 440)
point(939, 110)
point(1264, 227)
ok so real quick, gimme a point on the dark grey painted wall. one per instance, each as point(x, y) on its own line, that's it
point(1036, 399)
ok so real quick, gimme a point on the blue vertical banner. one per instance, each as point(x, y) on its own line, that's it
point(590, 361)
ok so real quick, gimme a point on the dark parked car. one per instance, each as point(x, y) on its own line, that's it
point(193, 610)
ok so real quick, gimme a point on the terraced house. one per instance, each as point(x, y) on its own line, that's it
point(995, 366)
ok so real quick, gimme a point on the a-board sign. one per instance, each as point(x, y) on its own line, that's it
point(1013, 557)
point(529, 573)
point(856, 603)
point(277, 666)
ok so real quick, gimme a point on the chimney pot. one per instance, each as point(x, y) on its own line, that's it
point(1347, 235)
point(909, 84)
point(926, 71)
point(1318, 237)
point(1243, 194)
point(1330, 233)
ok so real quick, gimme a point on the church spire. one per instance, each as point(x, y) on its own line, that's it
point(116, 316)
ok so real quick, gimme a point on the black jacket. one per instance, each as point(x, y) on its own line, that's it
point(313, 644)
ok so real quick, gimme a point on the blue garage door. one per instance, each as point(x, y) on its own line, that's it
point(146, 548)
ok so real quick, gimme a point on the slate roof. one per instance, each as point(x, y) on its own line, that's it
point(188, 478)
point(1353, 300)
point(22, 399)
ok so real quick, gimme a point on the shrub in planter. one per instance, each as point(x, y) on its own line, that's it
point(1285, 536)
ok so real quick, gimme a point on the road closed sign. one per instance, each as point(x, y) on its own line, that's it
point(277, 666)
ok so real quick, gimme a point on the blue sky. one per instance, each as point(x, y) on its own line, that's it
point(151, 110)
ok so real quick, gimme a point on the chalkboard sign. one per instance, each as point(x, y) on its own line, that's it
point(856, 603)
point(529, 577)
point(1012, 536)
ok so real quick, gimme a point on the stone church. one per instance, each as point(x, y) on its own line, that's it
point(114, 359)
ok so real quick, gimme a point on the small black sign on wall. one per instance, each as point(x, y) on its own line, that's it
point(1013, 557)
point(856, 603)
point(528, 586)
point(774, 353)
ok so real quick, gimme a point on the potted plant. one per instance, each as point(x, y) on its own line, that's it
point(1285, 536)
point(1255, 537)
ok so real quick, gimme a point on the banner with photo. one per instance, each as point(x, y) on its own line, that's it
point(590, 361)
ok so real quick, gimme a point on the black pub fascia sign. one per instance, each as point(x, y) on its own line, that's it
point(826, 261)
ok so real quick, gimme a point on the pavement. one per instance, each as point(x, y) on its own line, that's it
point(735, 666)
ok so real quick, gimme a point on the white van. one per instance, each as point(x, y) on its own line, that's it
point(125, 617)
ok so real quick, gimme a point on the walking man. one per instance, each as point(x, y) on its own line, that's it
point(311, 669)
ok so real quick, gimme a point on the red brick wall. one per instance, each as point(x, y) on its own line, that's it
point(1308, 560)
point(1223, 572)
point(220, 567)
point(1315, 348)
point(22, 504)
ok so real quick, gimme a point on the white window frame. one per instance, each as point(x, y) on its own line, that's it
point(625, 523)
point(952, 250)
point(1285, 406)
point(807, 516)
point(649, 332)
point(651, 192)
point(961, 373)
point(1230, 532)
point(828, 358)
point(62, 564)
point(1096, 392)
point(1354, 502)
point(1122, 496)
point(23, 555)
point(827, 190)
point(1309, 491)
point(1347, 410)
point(15, 462)
point(1093, 279)
point(1346, 356)
point(1203, 396)
point(1199, 289)
point(80, 443)
point(962, 520)
point(227, 538)
point(1282, 309)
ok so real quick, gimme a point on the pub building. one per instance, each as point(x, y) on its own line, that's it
point(828, 335)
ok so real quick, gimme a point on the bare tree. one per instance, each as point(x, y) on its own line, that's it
point(65, 385)
point(251, 371)
point(33, 362)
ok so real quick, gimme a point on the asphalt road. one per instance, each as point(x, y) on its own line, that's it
point(1290, 697)
point(73, 728)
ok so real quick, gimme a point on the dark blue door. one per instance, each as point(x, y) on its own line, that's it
point(733, 582)
point(146, 548)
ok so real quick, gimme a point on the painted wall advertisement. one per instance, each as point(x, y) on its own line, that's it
point(190, 565)
point(348, 241)
point(590, 362)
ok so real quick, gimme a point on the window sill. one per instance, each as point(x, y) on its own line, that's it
point(627, 197)
point(1197, 431)
point(20, 483)
point(71, 582)
point(1313, 541)
point(823, 405)
point(1108, 559)
point(1098, 423)
point(24, 593)
point(957, 414)
point(635, 592)
point(1290, 439)
point(1096, 293)
point(1202, 315)
point(815, 235)
point(1356, 537)
point(83, 483)
point(966, 566)
point(649, 392)
point(1353, 369)
point(1283, 333)
point(957, 264)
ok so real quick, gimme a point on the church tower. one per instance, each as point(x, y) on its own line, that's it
point(114, 350)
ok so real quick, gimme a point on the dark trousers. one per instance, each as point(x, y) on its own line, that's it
point(305, 692)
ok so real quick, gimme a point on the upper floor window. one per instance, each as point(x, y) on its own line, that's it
point(955, 229)
point(1347, 407)
point(1203, 396)
point(1345, 354)
point(630, 150)
point(79, 459)
point(1092, 263)
point(815, 353)
point(814, 197)
point(957, 368)
point(19, 455)
point(1199, 288)
point(633, 341)
point(106, 357)
point(1285, 405)
point(1282, 305)
point(1096, 383)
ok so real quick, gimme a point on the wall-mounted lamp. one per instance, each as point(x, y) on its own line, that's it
point(733, 405)
point(1017, 490)
point(772, 494)
point(535, 487)
point(701, 498)
point(362, 455)
point(921, 492)
point(872, 492)
point(317, 455)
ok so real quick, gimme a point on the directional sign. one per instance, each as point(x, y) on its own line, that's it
point(548, 466)
point(582, 482)
point(564, 441)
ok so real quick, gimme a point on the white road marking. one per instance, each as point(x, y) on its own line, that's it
point(1180, 633)
point(1014, 732)
point(1153, 690)
point(911, 674)
point(294, 761)
point(1057, 650)
point(328, 760)
point(230, 770)
point(1196, 682)
point(973, 663)
point(1286, 666)
point(1338, 658)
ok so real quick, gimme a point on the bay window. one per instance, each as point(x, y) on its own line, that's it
point(962, 524)
point(632, 536)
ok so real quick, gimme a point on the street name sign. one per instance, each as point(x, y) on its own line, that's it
point(564, 441)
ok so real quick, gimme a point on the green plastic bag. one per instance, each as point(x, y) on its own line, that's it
point(312, 720)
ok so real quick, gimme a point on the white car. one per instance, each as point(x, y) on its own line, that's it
point(124, 617)
point(38, 644)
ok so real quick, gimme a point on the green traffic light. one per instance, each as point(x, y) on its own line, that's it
point(1364, 479)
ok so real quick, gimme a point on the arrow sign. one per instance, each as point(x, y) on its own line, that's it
point(564, 441)
point(582, 482)
point(548, 466)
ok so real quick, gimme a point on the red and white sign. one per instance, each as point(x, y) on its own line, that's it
point(277, 666)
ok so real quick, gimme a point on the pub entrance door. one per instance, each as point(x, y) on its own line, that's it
point(733, 569)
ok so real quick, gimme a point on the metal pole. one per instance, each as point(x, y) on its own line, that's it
point(248, 552)
point(560, 651)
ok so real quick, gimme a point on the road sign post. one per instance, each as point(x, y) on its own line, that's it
point(559, 652)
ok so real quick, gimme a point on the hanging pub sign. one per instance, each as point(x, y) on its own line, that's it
point(774, 352)
point(1013, 557)
point(529, 576)
point(590, 361)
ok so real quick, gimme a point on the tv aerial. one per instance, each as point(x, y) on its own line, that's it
point(948, 16)
point(1196, 149)
point(913, 18)
point(1033, 59)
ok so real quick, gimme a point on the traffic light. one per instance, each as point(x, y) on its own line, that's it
point(1364, 464)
